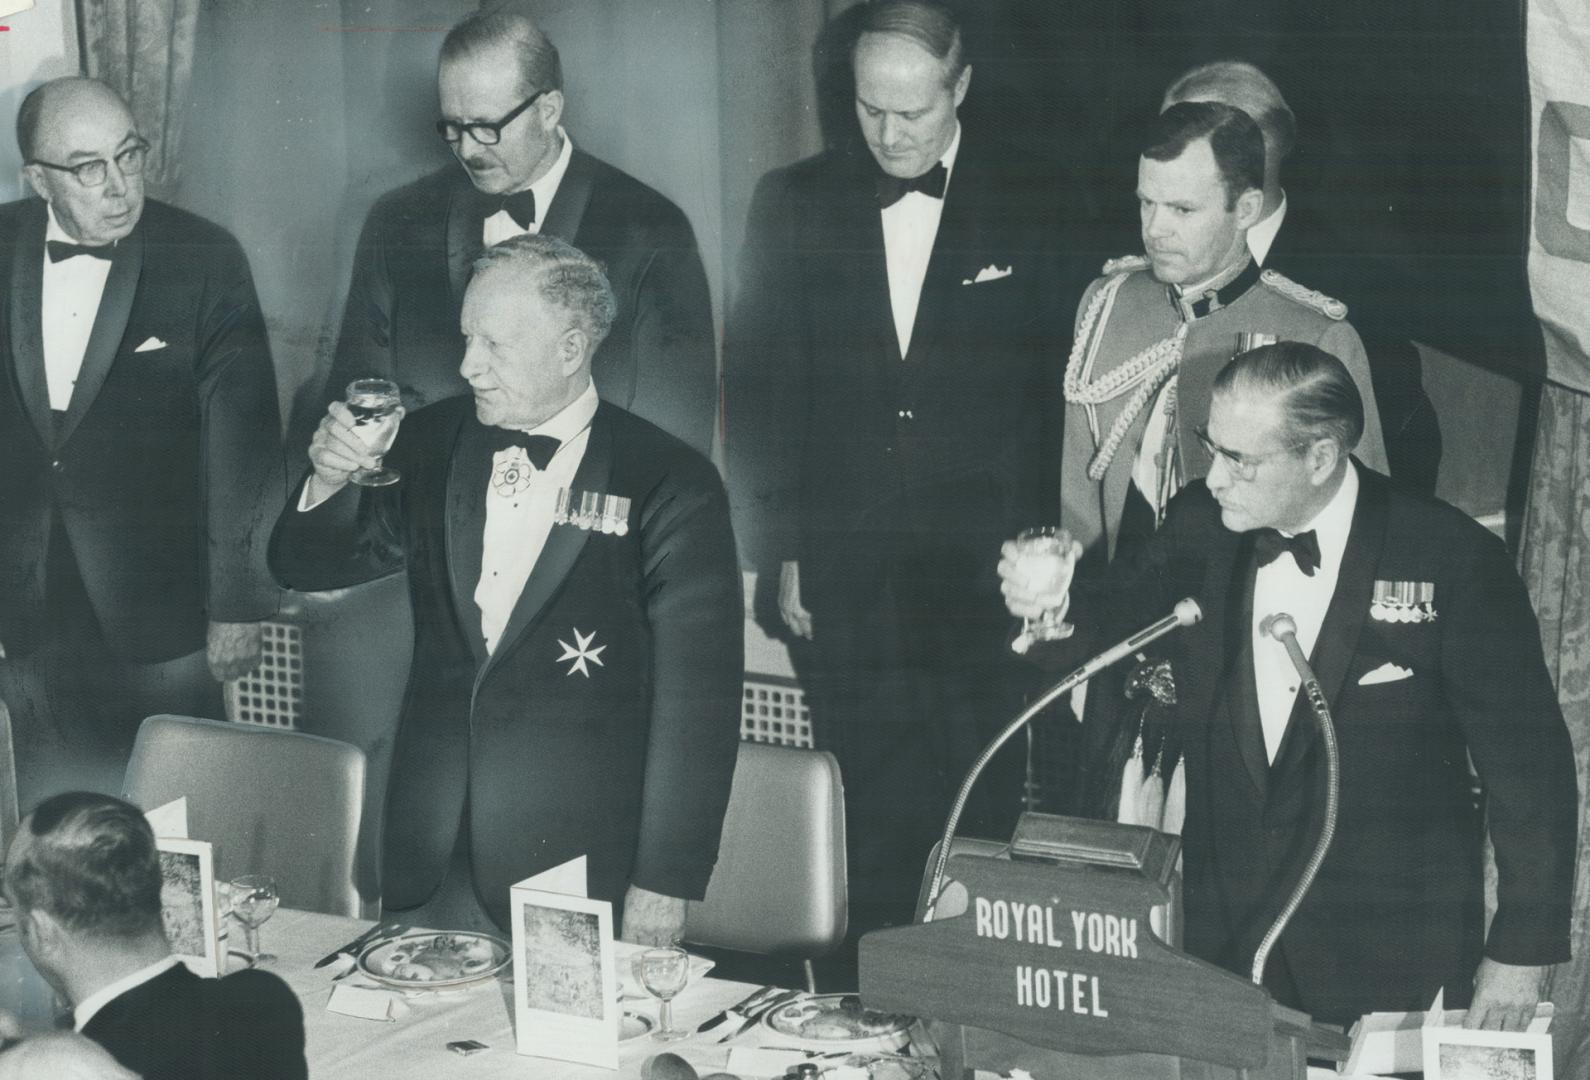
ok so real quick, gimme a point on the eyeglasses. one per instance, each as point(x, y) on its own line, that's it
point(92, 174)
point(484, 133)
point(1242, 466)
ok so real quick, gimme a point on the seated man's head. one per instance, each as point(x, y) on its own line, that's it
point(534, 313)
point(1282, 422)
point(500, 87)
point(83, 874)
point(1200, 186)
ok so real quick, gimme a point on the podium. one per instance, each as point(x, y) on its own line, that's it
point(1054, 960)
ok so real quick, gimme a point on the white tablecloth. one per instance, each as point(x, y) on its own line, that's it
point(415, 1044)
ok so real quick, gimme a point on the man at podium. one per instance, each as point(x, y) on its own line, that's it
point(1428, 653)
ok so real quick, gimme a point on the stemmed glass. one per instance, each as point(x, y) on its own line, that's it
point(376, 405)
point(1045, 559)
point(254, 899)
point(664, 972)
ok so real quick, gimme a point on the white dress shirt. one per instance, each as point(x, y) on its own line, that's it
point(1261, 237)
point(72, 291)
point(84, 1011)
point(909, 228)
point(501, 225)
point(519, 514)
point(1281, 586)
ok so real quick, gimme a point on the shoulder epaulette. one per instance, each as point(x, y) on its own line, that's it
point(1125, 264)
point(1325, 305)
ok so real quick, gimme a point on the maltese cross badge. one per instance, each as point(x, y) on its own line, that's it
point(581, 653)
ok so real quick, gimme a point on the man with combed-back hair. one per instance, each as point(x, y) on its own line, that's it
point(1295, 239)
point(578, 642)
point(1428, 654)
point(83, 876)
point(500, 83)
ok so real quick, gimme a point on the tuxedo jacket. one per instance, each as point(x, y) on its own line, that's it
point(169, 456)
point(1308, 250)
point(1397, 910)
point(417, 253)
point(178, 1026)
point(626, 758)
point(843, 453)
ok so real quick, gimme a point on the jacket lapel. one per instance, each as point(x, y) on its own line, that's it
point(956, 236)
point(562, 219)
point(564, 542)
point(466, 218)
point(465, 528)
point(26, 320)
point(1344, 618)
point(110, 323)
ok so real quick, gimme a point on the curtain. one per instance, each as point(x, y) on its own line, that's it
point(1556, 566)
point(144, 49)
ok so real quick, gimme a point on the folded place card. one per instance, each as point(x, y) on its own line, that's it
point(187, 903)
point(364, 1003)
point(1393, 1042)
point(565, 990)
point(170, 819)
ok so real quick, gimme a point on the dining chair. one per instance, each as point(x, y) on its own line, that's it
point(779, 887)
point(274, 802)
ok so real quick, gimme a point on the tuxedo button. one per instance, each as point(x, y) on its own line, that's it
point(57, 466)
point(906, 414)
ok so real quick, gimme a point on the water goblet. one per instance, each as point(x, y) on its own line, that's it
point(376, 405)
point(1045, 560)
point(254, 899)
point(664, 972)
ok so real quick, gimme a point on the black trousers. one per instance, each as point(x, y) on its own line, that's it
point(906, 689)
point(75, 707)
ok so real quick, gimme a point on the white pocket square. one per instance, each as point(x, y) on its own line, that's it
point(989, 273)
point(1385, 673)
point(150, 345)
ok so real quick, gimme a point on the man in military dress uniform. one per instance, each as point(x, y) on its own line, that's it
point(1155, 329)
point(1151, 335)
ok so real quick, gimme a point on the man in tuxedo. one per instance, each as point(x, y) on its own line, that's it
point(139, 445)
point(1428, 654)
point(892, 407)
point(1301, 244)
point(83, 877)
point(501, 88)
point(578, 653)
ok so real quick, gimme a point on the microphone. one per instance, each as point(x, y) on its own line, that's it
point(1283, 628)
point(1186, 613)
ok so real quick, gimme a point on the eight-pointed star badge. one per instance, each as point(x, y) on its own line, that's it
point(581, 653)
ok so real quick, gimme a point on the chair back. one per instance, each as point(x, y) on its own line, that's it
point(9, 814)
point(270, 801)
point(779, 885)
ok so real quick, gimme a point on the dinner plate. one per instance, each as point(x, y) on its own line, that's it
point(634, 1025)
point(823, 1019)
point(434, 961)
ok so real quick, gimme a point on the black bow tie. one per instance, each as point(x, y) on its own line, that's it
point(891, 189)
point(1268, 544)
point(63, 249)
point(521, 206)
point(538, 448)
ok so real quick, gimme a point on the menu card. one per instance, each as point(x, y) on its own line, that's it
point(565, 993)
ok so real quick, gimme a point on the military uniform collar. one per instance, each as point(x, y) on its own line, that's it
point(1220, 291)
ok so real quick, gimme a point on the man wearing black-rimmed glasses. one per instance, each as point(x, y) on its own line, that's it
point(138, 440)
point(500, 90)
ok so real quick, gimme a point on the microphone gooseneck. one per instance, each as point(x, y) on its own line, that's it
point(1186, 613)
point(1283, 628)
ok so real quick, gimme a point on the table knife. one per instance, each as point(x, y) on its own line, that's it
point(357, 943)
point(761, 1010)
point(737, 1009)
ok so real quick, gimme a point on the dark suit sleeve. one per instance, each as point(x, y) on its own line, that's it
point(674, 342)
point(765, 384)
point(1497, 689)
point(244, 471)
point(261, 1028)
point(695, 611)
point(353, 537)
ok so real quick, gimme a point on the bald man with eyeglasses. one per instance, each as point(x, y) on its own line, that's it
point(139, 442)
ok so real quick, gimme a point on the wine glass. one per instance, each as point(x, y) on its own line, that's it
point(254, 899)
point(376, 405)
point(1045, 558)
point(664, 972)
